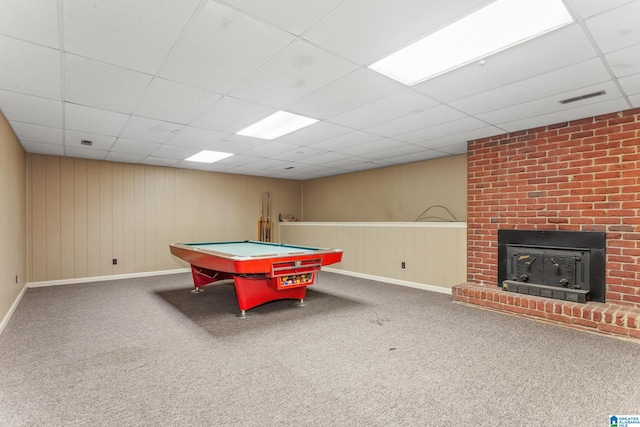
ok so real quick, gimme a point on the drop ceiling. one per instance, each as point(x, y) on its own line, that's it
point(156, 81)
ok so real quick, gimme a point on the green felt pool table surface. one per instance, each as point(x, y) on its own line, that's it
point(251, 248)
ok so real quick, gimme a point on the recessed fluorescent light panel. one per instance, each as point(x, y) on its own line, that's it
point(498, 26)
point(207, 156)
point(276, 125)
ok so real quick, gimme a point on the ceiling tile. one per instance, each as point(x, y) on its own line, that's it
point(296, 71)
point(388, 108)
point(239, 160)
point(433, 132)
point(298, 154)
point(232, 115)
point(625, 33)
point(140, 33)
point(364, 150)
point(328, 159)
point(236, 146)
point(29, 68)
point(31, 109)
point(34, 20)
point(631, 84)
point(193, 137)
point(588, 8)
point(345, 140)
point(294, 16)
point(186, 104)
point(144, 129)
point(221, 48)
point(37, 133)
point(268, 164)
point(415, 121)
point(271, 149)
point(93, 120)
point(73, 138)
point(173, 152)
point(130, 146)
point(625, 62)
point(316, 132)
point(346, 93)
point(39, 148)
point(104, 86)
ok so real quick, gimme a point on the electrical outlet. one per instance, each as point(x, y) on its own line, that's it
point(403, 264)
point(115, 261)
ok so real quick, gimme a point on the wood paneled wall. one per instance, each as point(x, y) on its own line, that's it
point(13, 222)
point(84, 213)
point(391, 194)
point(434, 253)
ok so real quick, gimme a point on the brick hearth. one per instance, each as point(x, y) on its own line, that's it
point(582, 175)
point(604, 318)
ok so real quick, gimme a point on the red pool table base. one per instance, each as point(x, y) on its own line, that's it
point(251, 290)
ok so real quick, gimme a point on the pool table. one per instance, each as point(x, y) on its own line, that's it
point(261, 271)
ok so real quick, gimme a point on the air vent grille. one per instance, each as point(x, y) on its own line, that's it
point(581, 97)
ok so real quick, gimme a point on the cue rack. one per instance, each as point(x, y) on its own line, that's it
point(264, 223)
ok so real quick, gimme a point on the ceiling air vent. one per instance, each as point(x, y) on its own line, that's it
point(86, 142)
point(581, 97)
point(289, 168)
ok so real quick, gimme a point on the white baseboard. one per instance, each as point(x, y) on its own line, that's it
point(104, 278)
point(6, 319)
point(423, 286)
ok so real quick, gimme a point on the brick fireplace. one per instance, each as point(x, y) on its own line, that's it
point(582, 175)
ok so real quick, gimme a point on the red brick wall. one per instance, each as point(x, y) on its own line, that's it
point(580, 175)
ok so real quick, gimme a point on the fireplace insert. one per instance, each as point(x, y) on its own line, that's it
point(567, 265)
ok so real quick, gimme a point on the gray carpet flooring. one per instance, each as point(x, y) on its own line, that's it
point(147, 352)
